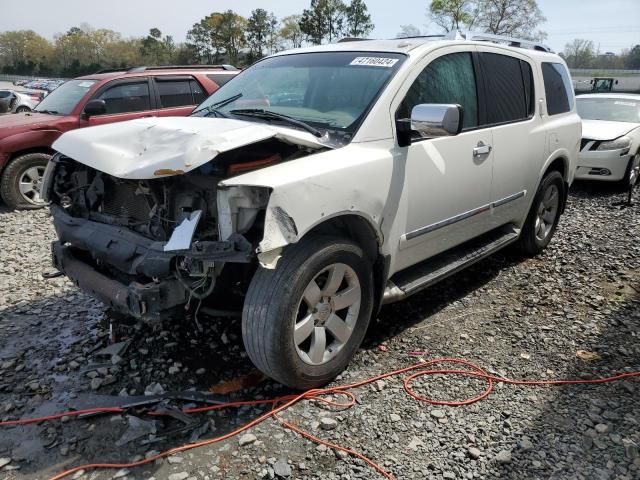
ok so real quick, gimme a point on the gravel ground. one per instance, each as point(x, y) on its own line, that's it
point(520, 318)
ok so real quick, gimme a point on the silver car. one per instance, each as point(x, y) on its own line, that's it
point(16, 102)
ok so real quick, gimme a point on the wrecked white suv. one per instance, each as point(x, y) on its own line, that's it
point(317, 185)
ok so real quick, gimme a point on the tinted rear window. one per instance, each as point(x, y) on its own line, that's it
point(220, 78)
point(508, 88)
point(557, 86)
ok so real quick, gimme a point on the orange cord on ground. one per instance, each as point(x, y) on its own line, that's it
point(281, 404)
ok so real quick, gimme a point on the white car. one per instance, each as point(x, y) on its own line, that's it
point(317, 185)
point(610, 147)
point(18, 102)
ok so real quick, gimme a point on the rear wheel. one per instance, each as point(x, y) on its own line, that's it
point(22, 180)
point(542, 221)
point(303, 321)
point(23, 109)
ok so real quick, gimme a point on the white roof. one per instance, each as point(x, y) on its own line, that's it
point(628, 96)
point(414, 45)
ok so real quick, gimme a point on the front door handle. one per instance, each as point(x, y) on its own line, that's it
point(481, 149)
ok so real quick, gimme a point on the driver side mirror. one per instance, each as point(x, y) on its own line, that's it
point(95, 107)
point(431, 120)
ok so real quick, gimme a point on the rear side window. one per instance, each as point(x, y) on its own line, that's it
point(179, 93)
point(448, 79)
point(557, 86)
point(127, 97)
point(508, 88)
point(220, 78)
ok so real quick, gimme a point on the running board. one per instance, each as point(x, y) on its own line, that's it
point(424, 274)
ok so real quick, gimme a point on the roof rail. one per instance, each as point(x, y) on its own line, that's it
point(179, 67)
point(420, 36)
point(352, 39)
point(511, 41)
point(112, 70)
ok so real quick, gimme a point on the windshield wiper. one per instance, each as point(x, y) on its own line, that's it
point(214, 107)
point(48, 112)
point(262, 113)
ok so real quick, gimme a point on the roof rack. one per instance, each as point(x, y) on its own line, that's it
point(352, 39)
point(487, 37)
point(112, 70)
point(179, 67)
point(420, 36)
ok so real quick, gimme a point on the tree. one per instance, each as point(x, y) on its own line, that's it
point(24, 51)
point(515, 18)
point(231, 33)
point(156, 50)
point(324, 20)
point(408, 31)
point(290, 31)
point(579, 53)
point(453, 14)
point(261, 27)
point(632, 59)
point(358, 21)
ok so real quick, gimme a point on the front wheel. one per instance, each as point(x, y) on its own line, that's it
point(22, 180)
point(542, 220)
point(23, 109)
point(632, 175)
point(303, 321)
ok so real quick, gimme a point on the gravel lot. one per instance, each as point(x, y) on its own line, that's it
point(520, 318)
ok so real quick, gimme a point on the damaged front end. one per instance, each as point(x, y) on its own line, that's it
point(148, 246)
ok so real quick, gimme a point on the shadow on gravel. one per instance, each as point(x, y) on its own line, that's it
point(50, 344)
point(588, 431)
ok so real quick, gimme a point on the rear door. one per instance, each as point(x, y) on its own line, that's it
point(178, 95)
point(125, 100)
point(508, 93)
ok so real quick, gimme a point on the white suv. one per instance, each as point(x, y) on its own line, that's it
point(317, 185)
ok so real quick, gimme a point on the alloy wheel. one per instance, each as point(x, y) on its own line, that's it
point(547, 212)
point(327, 314)
point(30, 184)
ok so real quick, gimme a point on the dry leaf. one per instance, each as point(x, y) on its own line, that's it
point(587, 356)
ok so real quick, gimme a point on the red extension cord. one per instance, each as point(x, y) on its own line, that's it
point(282, 403)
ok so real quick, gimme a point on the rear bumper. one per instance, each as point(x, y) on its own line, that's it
point(144, 301)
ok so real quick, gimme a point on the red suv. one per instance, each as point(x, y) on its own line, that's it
point(105, 97)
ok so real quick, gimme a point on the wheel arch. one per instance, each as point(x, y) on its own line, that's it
point(364, 232)
point(561, 164)
point(26, 151)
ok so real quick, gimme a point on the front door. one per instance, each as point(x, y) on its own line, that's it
point(447, 180)
point(124, 100)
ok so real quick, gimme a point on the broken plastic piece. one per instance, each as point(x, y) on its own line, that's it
point(137, 428)
point(183, 233)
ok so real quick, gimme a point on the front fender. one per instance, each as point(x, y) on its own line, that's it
point(353, 180)
point(29, 140)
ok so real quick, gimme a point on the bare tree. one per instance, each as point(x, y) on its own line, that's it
point(516, 18)
point(408, 31)
point(579, 53)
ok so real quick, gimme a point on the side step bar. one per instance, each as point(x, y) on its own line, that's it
point(424, 274)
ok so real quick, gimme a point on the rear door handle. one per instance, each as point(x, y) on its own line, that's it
point(481, 149)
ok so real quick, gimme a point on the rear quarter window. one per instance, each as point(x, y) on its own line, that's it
point(220, 78)
point(557, 87)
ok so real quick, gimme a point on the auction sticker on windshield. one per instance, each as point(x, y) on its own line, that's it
point(374, 62)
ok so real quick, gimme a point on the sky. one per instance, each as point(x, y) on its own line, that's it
point(612, 24)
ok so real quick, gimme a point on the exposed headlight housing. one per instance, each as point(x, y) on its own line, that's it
point(622, 143)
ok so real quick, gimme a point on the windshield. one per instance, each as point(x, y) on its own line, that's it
point(64, 98)
point(611, 109)
point(331, 91)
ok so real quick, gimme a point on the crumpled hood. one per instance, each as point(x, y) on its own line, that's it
point(151, 147)
point(604, 130)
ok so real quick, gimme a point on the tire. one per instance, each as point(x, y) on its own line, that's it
point(277, 308)
point(27, 168)
point(632, 175)
point(542, 220)
point(23, 109)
